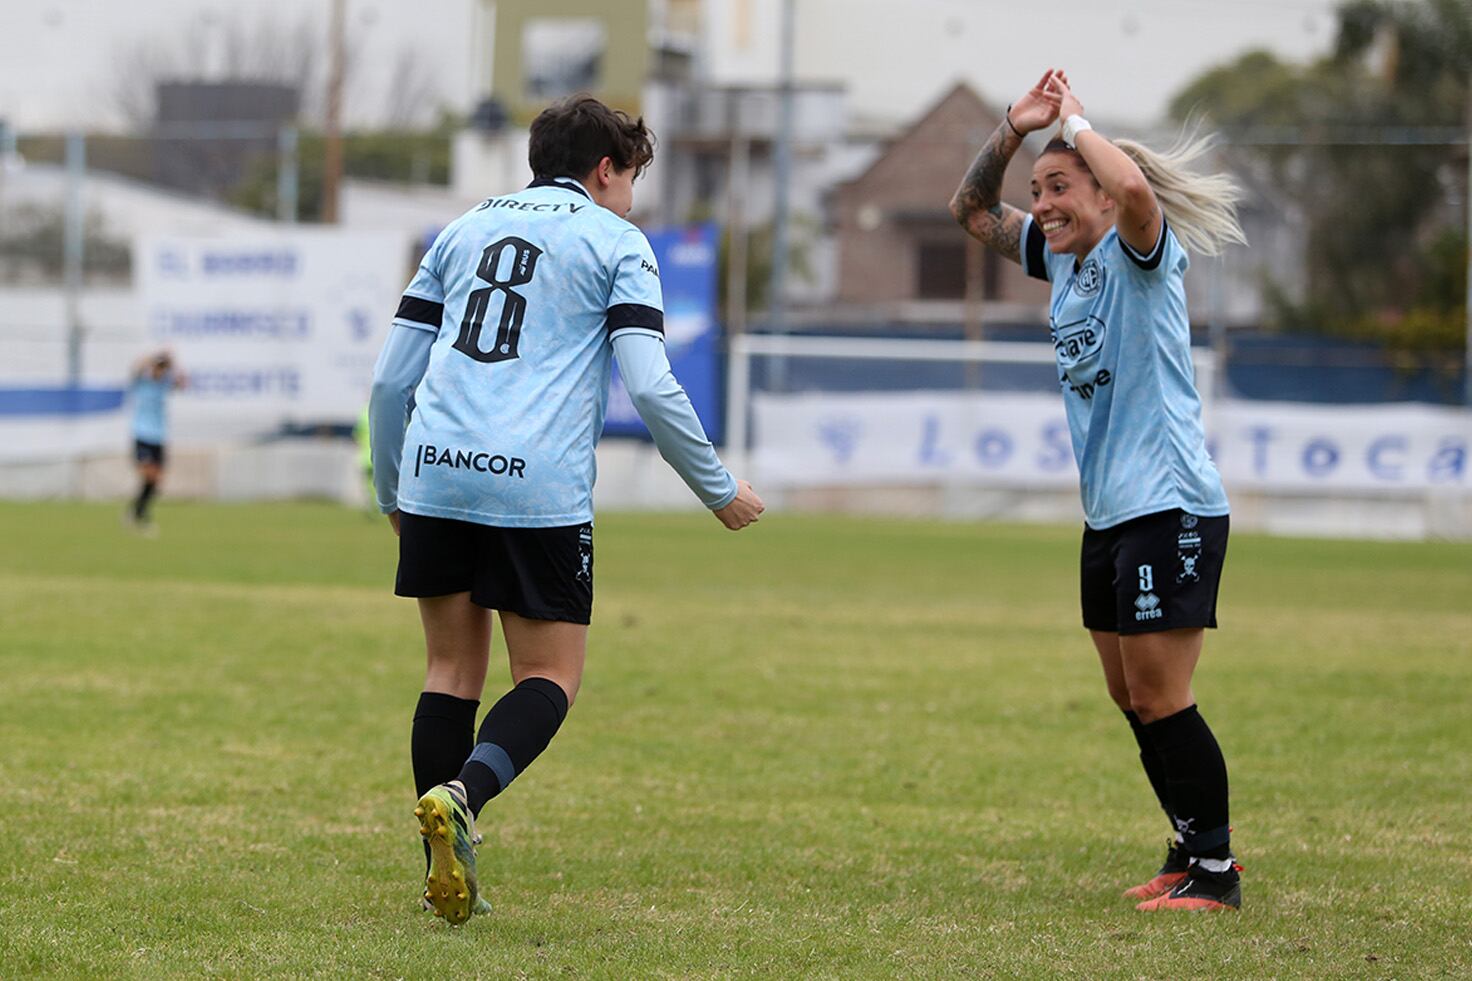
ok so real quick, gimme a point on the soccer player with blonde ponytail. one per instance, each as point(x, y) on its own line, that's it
point(1110, 227)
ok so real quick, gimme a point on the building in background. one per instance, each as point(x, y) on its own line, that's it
point(902, 257)
point(207, 135)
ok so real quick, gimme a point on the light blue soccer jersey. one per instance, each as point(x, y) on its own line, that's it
point(150, 418)
point(524, 293)
point(1123, 344)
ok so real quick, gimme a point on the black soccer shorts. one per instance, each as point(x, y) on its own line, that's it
point(144, 452)
point(541, 573)
point(1157, 572)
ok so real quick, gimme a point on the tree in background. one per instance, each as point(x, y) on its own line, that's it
point(1386, 237)
point(417, 156)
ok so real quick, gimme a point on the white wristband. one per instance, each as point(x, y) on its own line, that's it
point(1072, 126)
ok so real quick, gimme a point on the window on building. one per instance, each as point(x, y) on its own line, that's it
point(941, 271)
point(562, 56)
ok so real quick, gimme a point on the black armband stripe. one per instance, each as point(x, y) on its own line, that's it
point(622, 315)
point(421, 311)
point(1034, 251)
point(1151, 261)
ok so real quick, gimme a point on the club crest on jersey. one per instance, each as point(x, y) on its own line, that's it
point(1090, 279)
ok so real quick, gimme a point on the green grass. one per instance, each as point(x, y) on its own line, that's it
point(820, 748)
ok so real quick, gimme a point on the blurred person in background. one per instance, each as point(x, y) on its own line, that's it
point(153, 378)
point(1109, 229)
point(362, 438)
point(502, 347)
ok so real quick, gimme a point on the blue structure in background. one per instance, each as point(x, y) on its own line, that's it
point(687, 272)
point(1260, 366)
point(62, 400)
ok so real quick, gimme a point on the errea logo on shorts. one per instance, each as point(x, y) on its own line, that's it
point(1147, 604)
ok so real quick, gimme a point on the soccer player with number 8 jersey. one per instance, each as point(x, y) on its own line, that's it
point(488, 400)
point(1109, 227)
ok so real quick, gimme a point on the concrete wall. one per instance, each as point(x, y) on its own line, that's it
point(632, 477)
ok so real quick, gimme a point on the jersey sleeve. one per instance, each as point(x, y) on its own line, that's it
point(401, 365)
point(635, 302)
point(666, 410)
point(1034, 251)
point(422, 306)
point(1153, 260)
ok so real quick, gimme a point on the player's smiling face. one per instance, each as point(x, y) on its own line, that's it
point(1071, 210)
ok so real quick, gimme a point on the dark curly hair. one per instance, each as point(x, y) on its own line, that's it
point(569, 137)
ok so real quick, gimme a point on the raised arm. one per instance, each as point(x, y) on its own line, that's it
point(1137, 215)
point(977, 204)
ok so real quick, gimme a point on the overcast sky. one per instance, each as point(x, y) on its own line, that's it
point(1126, 57)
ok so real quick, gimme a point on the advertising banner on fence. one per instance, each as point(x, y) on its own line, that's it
point(687, 277)
point(937, 437)
point(275, 327)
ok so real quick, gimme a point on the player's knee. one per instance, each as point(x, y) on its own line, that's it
point(1154, 704)
point(1120, 695)
point(570, 687)
point(568, 681)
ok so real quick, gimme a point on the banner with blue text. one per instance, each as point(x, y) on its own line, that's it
point(1022, 440)
point(272, 328)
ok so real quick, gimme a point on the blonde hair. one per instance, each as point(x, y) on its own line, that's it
point(1201, 208)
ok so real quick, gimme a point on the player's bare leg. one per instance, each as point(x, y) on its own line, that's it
point(1173, 869)
point(457, 642)
point(1158, 668)
point(150, 476)
point(548, 649)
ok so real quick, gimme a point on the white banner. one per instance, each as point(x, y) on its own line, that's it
point(939, 437)
point(270, 328)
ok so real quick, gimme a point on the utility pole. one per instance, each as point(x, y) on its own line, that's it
point(1467, 352)
point(332, 137)
point(73, 244)
point(287, 175)
point(782, 175)
point(737, 180)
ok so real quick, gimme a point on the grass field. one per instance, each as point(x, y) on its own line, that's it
point(820, 748)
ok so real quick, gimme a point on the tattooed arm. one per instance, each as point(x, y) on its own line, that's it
point(977, 204)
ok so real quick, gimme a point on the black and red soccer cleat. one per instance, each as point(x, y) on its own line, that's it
point(1202, 889)
point(1172, 871)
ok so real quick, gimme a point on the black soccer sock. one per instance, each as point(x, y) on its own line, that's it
point(1150, 760)
point(145, 496)
point(513, 733)
point(1196, 781)
point(443, 735)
